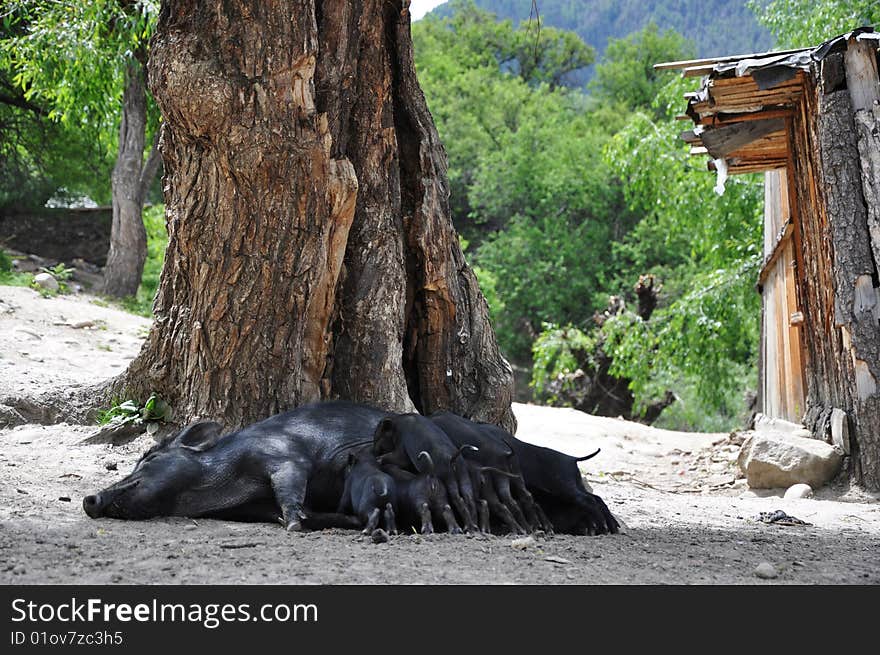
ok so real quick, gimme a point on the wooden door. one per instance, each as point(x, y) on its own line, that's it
point(782, 377)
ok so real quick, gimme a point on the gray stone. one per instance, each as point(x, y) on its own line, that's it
point(46, 281)
point(775, 459)
point(522, 543)
point(776, 425)
point(840, 430)
point(799, 491)
point(766, 571)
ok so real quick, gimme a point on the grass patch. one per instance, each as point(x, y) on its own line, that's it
point(10, 277)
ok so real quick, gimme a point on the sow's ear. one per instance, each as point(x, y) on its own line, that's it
point(383, 437)
point(199, 436)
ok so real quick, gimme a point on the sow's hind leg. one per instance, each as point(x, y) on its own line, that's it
point(289, 480)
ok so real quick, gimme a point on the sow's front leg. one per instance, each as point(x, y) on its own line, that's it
point(289, 480)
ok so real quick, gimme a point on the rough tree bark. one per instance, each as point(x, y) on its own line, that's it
point(130, 181)
point(311, 253)
point(855, 300)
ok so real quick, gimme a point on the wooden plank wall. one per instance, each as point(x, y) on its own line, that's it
point(782, 378)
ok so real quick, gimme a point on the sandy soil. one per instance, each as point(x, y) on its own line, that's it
point(689, 518)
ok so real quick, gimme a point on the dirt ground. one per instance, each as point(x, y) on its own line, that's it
point(689, 517)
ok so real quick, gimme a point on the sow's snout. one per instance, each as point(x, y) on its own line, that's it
point(107, 502)
point(92, 506)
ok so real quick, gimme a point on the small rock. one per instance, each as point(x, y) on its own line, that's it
point(799, 491)
point(557, 560)
point(766, 571)
point(379, 536)
point(65, 499)
point(522, 543)
point(46, 281)
point(840, 430)
point(110, 466)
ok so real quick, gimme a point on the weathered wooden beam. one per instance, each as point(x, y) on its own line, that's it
point(860, 60)
point(697, 71)
point(721, 141)
point(727, 119)
point(776, 253)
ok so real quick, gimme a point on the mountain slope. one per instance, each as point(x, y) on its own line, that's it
point(717, 27)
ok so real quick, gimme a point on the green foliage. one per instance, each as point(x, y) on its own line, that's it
point(626, 75)
point(71, 56)
point(61, 80)
point(529, 187)
point(8, 276)
point(558, 351)
point(718, 27)
point(474, 39)
point(691, 414)
point(802, 23)
point(150, 414)
point(60, 272)
point(551, 268)
point(704, 247)
point(157, 242)
point(41, 159)
point(482, 78)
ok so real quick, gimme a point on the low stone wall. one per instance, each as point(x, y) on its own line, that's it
point(60, 234)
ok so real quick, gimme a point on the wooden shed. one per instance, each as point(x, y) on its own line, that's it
point(809, 119)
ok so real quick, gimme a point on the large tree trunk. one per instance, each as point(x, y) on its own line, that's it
point(128, 238)
point(311, 253)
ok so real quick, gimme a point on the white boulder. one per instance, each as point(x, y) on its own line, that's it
point(772, 459)
point(799, 490)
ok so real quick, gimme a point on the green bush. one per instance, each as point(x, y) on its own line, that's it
point(558, 351)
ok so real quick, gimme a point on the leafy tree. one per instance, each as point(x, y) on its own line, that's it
point(41, 157)
point(529, 187)
point(705, 247)
point(626, 75)
point(706, 22)
point(564, 209)
point(473, 38)
point(80, 61)
point(802, 23)
point(479, 77)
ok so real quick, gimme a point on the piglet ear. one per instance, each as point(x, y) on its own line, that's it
point(199, 436)
point(381, 437)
